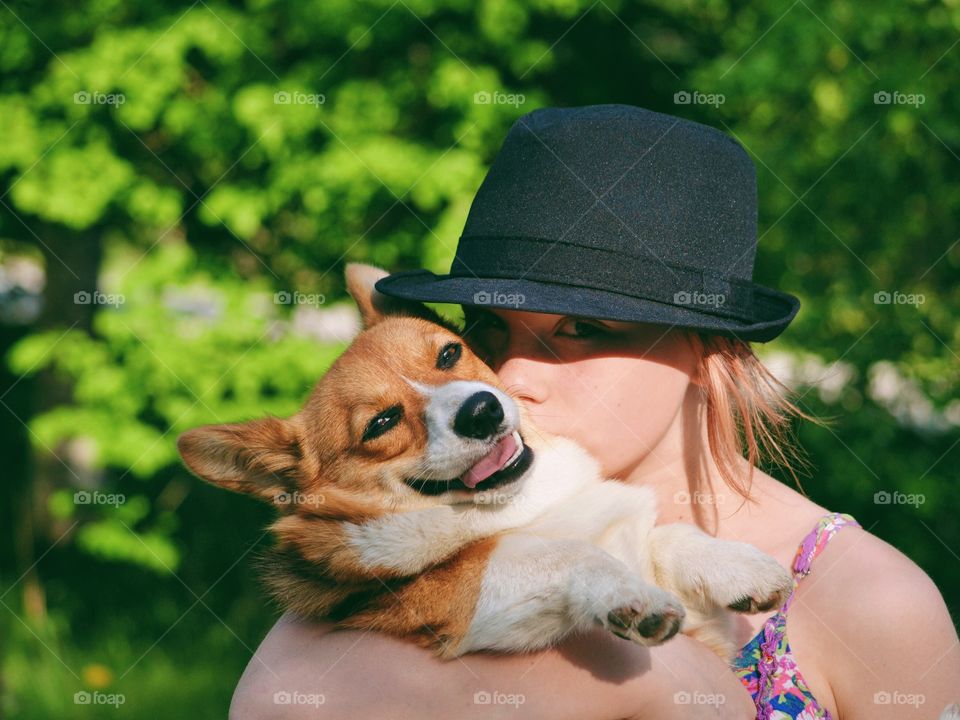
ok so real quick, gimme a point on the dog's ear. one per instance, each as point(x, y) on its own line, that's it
point(260, 457)
point(374, 305)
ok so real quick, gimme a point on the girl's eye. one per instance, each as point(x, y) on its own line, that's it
point(584, 329)
point(477, 326)
point(482, 321)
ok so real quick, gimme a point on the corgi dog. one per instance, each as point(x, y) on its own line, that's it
point(417, 498)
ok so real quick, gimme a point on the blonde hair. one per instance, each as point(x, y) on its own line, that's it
point(749, 410)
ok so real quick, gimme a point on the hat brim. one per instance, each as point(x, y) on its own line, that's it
point(773, 309)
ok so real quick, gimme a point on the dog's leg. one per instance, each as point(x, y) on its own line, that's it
point(723, 573)
point(516, 593)
point(711, 576)
point(536, 590)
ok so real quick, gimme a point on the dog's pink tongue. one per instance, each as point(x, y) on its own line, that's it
point(490, 463)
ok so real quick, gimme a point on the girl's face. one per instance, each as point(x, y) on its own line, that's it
point(614, 387)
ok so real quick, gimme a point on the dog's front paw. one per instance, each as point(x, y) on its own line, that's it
point(756, 582)
point(605, 591)
point(750, 604)
point(651, 618)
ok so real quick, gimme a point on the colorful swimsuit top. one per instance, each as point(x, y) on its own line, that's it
point(766, 665)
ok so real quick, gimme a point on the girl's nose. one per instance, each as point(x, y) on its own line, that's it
point(524, 377)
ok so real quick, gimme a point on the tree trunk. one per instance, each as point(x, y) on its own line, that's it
point(72, 265)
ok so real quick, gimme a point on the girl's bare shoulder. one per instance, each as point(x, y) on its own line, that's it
point(876, 623)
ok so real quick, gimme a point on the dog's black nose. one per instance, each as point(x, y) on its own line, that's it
point(479, 416)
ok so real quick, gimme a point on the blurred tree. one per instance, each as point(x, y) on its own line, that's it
point(173, 165)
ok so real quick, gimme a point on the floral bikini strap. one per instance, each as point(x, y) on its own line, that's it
point(815, 541)
point(773, 646)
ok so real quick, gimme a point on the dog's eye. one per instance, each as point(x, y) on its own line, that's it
point(449, 355)
point(383, 422)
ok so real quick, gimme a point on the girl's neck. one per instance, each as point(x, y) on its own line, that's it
point(690, 487)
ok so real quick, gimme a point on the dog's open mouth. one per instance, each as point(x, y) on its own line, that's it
point(507, 461)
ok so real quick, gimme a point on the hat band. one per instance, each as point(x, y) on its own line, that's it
point(565, 263)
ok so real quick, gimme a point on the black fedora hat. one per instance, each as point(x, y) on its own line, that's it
point(613, 212)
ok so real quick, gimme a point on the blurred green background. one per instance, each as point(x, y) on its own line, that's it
point(181, 184)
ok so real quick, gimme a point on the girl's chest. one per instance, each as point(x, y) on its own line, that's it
point(798, 649)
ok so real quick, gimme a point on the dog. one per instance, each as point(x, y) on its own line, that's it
point(417, 498)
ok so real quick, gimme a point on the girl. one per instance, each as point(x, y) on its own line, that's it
point(606, 275)
point(867, 627)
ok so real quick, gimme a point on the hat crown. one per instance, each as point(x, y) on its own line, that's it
point(626, 179)
point(614, 212)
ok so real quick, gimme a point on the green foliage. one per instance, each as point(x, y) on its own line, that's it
point(174, 681)
point(179, 350)
point(203, 156)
